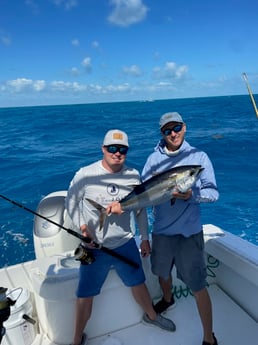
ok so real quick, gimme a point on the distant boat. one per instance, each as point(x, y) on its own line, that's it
point(250, 93)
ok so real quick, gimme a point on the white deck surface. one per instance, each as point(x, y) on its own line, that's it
point(232, 326)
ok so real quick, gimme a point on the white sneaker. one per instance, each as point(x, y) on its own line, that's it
point(161, 322)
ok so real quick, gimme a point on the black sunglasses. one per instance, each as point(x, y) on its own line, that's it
point(176, 129)
point(114, 149)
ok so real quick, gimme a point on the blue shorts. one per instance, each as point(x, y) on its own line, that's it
point(186, 253)
point(93, 276)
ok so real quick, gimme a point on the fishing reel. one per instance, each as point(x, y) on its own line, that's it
point(84, 255)
point(5, 310)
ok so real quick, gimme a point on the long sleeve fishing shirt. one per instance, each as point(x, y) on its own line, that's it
point(181, 216)
point(94, 182)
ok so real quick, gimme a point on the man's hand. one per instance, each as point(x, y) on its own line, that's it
point(183, 196)
point(115, 208)
point(86, 233)
point(145, 248)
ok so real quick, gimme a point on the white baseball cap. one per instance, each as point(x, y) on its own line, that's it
point(115, 136)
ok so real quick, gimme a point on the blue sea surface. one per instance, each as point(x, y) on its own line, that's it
point(42, 148)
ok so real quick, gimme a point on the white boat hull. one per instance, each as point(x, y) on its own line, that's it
point(232, 266)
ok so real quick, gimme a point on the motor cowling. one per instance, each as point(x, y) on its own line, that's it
point(50, 239)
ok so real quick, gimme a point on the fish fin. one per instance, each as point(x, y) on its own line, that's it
point(96, 205)
point(101, 210)
point(139, 188)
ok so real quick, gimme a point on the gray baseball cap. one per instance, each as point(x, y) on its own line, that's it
point(170, 117)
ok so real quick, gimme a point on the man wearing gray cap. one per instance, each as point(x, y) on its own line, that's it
point(177, 235)
point(97, 186)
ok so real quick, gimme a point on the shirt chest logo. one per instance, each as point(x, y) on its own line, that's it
point(112, 189)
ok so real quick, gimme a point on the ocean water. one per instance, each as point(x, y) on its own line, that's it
point(42, 147)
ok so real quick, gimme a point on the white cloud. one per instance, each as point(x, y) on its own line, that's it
point(95, 44)
point(39, 85)
point(18, 85)
point(170, 70)
point(117, 88)
point(62, 86)
point(132, 70)
point(24, 85)
point(75, 71)
point(29, 86)
point(127, 12)
point(75, 42)
point(86, 63)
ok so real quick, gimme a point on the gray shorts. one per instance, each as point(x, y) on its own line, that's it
point(186, 253)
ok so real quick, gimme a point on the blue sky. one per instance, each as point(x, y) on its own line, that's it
point(88, 51)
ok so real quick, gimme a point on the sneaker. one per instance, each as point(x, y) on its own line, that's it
point(214, 343)
point(163, 305)
point(84, 340)
point(160, 322)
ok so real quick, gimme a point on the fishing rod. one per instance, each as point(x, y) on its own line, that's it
point(250, 93)
point(76, 234)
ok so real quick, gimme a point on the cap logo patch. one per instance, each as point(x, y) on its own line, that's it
point(117, 136)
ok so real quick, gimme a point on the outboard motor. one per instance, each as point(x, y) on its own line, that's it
point(49, 239)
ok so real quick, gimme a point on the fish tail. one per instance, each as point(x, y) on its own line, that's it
point(101, 210)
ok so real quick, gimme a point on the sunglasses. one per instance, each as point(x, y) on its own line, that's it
point(176, 129)
point(114, 149)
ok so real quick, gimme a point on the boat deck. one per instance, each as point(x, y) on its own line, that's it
point(232, 325)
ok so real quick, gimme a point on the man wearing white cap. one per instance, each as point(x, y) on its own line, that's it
point(177, 236)
point(102, 183)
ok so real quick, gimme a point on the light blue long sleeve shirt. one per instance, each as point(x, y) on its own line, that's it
point(181, 217)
